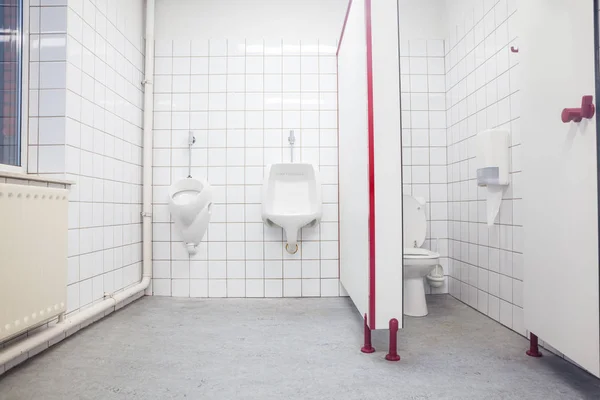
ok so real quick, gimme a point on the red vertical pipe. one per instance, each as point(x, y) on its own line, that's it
point(367, 348)
point(534, 350)
point(392, 354)
point(371, 126)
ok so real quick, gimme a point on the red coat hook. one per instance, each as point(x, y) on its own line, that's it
point(514, 49)
point(587, 110)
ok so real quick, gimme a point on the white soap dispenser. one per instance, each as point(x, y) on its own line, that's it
point(493, 165)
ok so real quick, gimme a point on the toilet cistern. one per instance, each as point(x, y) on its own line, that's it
point(291, 199)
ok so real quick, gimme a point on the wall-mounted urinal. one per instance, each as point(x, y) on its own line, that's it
point(291, 199)
point(190, 204)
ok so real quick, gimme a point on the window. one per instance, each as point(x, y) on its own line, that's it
point(11, 43)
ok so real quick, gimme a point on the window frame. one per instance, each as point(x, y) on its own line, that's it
point(24, 94)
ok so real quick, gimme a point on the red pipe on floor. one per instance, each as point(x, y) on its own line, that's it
point(534, 350)
point(367, 348)
point(393, 351)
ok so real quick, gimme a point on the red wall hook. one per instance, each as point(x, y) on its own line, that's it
point(514, 49)
point(587, 110)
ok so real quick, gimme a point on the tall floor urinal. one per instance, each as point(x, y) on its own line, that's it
point(190, 204)
point(292, 199)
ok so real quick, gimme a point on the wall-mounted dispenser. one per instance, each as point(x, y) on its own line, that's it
point(493, 164)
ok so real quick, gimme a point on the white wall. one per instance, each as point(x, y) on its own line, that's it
point(424, 161)
point(486, 263)
point(462, 10)
point(85, 125)
point(422, 19)
point(290, 19)
point(85, 109)
point(241, 98)
point(261, 67)
point(422, 68)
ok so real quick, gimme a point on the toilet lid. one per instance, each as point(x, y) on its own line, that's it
point(414, 220)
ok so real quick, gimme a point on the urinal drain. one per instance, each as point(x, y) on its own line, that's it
point(287, 248)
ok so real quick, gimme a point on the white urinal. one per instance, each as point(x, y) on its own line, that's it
point(291, 199)
point(190, 204)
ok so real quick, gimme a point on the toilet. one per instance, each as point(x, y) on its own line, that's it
point(291, 199)
point(190, 204)
point(417, 262)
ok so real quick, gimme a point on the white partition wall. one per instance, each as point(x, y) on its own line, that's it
point(561, 290)
point(388, 162)
point(354, 158)
point(370, 163)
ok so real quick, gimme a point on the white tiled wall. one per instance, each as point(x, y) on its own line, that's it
point(296, 19)
point(86, 117)
point(423, 87)
point(47, 84)
point(84, 113)
point(486, 263)
point(241, 98)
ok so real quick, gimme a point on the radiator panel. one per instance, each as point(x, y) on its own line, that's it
point(33, 256)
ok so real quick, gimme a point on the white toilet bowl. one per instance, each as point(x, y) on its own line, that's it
point(190, 204)
point(417, 262)
point(291, 199)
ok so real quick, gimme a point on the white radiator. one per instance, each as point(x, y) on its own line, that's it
point(33, 256)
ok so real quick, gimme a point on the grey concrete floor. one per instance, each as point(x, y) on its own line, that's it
point(280, 349)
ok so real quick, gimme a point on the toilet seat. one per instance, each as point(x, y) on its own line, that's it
point(423, 258)
point(415, 222)
point(419, 254)
point(415, 231)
